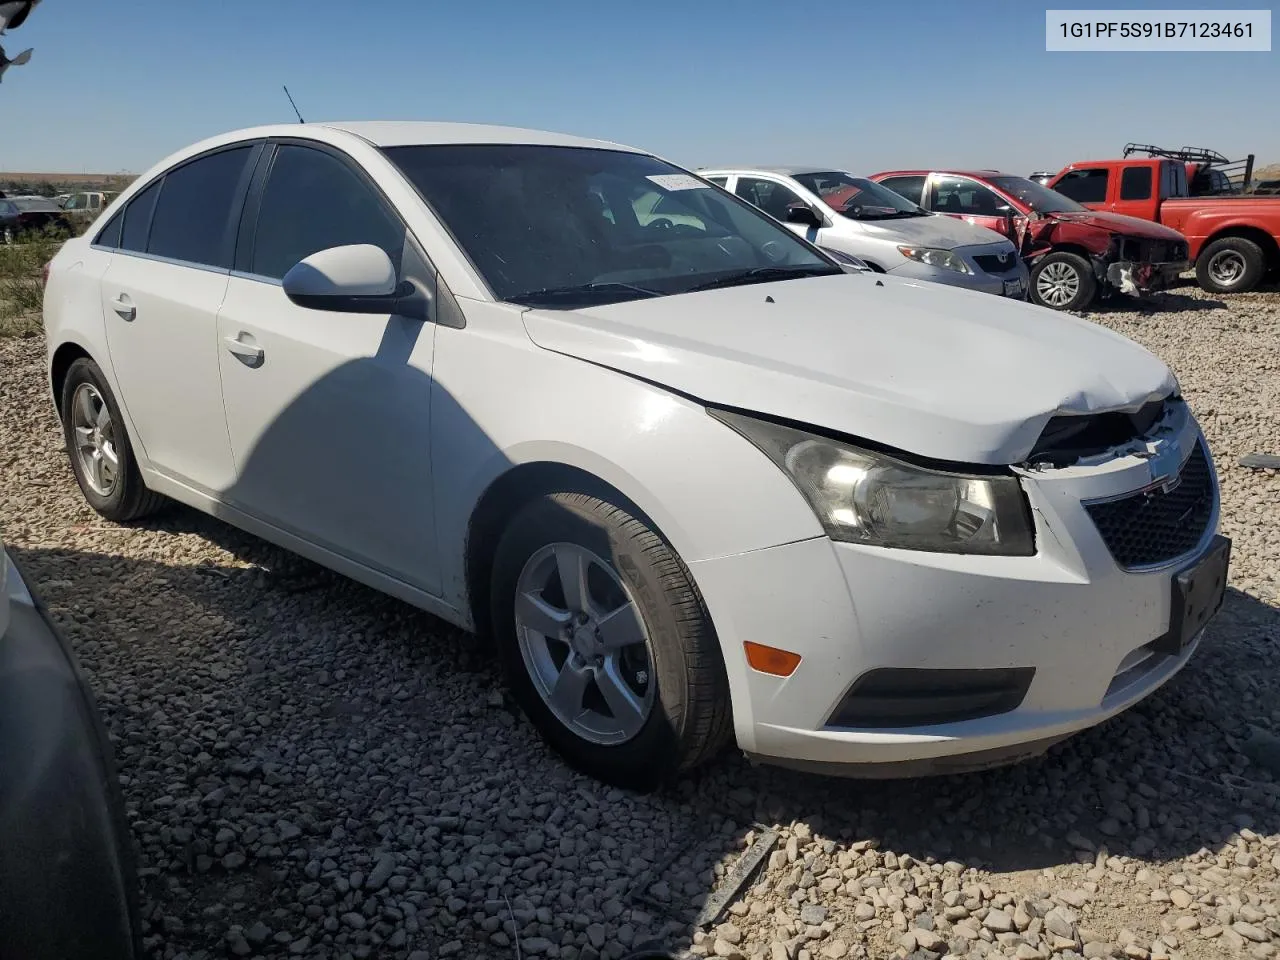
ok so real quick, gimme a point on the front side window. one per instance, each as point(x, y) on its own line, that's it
point(1085, 186)
point(7, 209)
point(567, 227)
point(858, 198)
point(194, 209)
point(1036, 196)
point(313, 201)
point(719, 181)
point(910, 187)
point(1135, 183)
point(137, 219)
point(769, 195)
point(964, 196)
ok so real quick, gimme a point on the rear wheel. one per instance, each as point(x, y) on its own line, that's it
point(101, 456)
point(1230, 265)
point(606, 643)
point(1063, 281)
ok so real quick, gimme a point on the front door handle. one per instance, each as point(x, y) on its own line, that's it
point(124, 306)
point(245, 351)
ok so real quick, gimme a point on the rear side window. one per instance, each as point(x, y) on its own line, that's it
point(137, 219)
point(1085, 186)
point(719, 181)
point(910, 187)
point(194, 208)
point(110, 235)
point(313, 201)
point(1135, 183)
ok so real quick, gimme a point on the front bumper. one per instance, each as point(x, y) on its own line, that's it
point(1070, 613)
point(1014, 282)
point(1138, 279)
point(67, 878)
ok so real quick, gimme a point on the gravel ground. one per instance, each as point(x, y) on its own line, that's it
point(315, 770)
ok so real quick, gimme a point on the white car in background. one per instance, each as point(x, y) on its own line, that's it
point(889, 233)
point(696, 480)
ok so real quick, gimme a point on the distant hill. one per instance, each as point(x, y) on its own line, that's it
point(1269, 172)
point(48, 184)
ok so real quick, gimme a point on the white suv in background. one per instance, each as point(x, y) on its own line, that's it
point(889, 233)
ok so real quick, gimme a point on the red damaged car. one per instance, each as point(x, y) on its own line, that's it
point(1075, 254)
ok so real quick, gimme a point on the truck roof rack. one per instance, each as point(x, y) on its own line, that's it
point(1186, 154)
point(1239, 172)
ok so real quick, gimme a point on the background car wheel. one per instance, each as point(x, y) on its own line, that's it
point(1063, 281)
point(605, 642)
point(98, 446)
point(1230, 265)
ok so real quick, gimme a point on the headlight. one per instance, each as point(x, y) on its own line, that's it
point(935, 257)
point(862, 496)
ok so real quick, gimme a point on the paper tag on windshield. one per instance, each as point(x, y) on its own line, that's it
point(676, 181)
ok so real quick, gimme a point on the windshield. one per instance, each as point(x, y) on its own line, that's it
point(858, 198)
point(31, 205)
point(1036, 196)
point(573, 226)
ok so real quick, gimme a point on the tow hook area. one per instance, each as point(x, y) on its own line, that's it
point(1130, 278)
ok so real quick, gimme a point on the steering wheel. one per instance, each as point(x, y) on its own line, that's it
point(662, 223)
point(774, 251)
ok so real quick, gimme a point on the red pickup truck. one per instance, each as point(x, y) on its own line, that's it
point(1234, 240)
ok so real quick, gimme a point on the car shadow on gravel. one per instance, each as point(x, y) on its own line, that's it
point(1159, 782)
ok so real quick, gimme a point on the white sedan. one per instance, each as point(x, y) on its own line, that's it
point(889, 233)
point(698, 481)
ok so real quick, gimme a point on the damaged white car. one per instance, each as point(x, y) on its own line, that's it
point(697, 481)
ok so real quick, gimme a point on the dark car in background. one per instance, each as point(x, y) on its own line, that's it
point(23, 216)
point(68, 885)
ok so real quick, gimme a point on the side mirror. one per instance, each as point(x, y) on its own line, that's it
point(803, 213)
point(358, 278)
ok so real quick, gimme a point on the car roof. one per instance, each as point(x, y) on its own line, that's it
point(976, 174)
point(398, 133)
point(781, 171)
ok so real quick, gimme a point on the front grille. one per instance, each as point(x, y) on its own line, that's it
point(1152, 527)
point(996, 262)
point(1153, 251)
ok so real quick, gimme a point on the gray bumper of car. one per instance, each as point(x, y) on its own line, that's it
point(67, 878)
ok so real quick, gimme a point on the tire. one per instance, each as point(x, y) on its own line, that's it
point(1068, 281)
point(125, 498)
point(676, 673)
point(1230, 265)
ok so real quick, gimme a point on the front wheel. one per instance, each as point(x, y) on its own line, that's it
point(1230, 265)
point(605, 642)
point(1063, 281)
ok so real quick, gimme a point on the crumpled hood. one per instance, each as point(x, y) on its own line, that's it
point(1119, 223)
point(934, 230)
point(932, 370)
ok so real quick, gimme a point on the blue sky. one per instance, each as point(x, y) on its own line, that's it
point(117, 85)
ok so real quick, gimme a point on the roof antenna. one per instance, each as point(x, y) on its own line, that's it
point(294, 105)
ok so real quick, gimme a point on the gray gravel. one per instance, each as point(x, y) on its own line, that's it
point(314, 770)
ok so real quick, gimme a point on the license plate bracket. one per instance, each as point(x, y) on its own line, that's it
point(1197, 593)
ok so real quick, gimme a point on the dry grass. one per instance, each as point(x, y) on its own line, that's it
point(21, 292)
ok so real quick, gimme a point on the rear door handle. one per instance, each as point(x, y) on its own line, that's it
point(246, 351)
point(124, 306)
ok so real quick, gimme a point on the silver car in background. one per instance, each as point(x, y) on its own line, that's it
point(856, 216)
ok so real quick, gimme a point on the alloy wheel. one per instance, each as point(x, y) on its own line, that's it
point(1058, 284)
point(1227, 268)
point(584, 644)
point(95, 441)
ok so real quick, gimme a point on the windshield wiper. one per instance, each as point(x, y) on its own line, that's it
point(763, 275)
point(586, 292)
